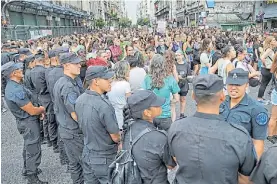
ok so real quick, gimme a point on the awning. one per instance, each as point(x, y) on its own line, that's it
point(270, 11)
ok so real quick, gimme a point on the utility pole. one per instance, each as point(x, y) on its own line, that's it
point(198, 1)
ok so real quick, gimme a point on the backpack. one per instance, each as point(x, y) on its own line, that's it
point(124, 169)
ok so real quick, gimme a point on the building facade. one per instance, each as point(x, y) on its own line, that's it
point(267, 11)
point(215, 13)
point(165, 10)
point(27, 19)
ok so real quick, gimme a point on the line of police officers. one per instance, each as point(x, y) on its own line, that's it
point(206, 147)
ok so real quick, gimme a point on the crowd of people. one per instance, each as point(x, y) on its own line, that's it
point(99, 97)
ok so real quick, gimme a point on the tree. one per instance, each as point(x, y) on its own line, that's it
point(125, 22)
point(143, 22)
point(100, 23)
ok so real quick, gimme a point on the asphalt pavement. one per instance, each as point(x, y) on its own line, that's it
point(52, 171)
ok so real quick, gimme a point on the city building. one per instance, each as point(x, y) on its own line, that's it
point(165, 10)
point(145, 9)
point(215, 13)
point(59, 17)
point(266, 14)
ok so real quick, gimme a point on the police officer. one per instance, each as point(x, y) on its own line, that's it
point(266, 170)
point(240, 108)
point(39, 82)
point(23, 54)
point(205, 147)
point(18, 99)
point(66, 91)
point(53, 76)
point(28, 65)
point(151, 150)
point(97, 120)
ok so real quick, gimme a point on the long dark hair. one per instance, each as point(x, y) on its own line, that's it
point(205, 45)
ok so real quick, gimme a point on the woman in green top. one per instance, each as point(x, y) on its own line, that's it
point(162, 85)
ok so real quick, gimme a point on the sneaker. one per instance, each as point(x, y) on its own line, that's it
point(271, 139)
point(4, 110)
point(182, 116)
point(24, 172)
point(264, 102)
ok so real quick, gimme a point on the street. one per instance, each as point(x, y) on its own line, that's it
point(52, 171)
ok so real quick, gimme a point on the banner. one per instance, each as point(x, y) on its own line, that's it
point(161, 28)
point(35, 34)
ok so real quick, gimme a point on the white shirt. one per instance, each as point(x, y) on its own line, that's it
point(117, 97)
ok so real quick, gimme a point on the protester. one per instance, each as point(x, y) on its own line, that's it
point(163, 86)
point(161, 64)
point(120, 89)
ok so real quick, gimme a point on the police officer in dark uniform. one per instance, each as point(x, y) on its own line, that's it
point(39, 82)
point(240, 108)
point(66, 91)
point(7, 54)
point(18, 99)
point(23, 54)
point(97, 120)
point(151, 151)
point(28, 65)
point(53, 76)
point(266, 169)
point(52, 124)
point(206, 148)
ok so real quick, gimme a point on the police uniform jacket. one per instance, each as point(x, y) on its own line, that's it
point(96, 117)
point(209, 150)
point(66, 92)
point(249, 114)
point(151, 152)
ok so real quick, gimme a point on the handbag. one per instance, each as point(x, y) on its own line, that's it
point(253, 82)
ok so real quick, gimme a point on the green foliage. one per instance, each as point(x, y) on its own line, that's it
point(125, 22)
point(143, 22)
point(100, 23)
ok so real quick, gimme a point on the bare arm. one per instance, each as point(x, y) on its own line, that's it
point(259, 146)
point(229, 67)
point(115, 137)
point(185, 47)
point(213, 68)
point(32, 110)
point(265, 55)
point(74, 116)
point(175, 74)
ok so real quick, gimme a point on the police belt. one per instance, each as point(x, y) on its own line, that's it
point(71, 131)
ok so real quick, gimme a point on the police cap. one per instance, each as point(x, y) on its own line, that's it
point(9, 67)
point(141, 100)
point(24, 51)
point(207, 84)
point(102, 72)
point(237, 77)
point(69, 58)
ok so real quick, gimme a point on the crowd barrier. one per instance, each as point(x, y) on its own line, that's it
point(25, 32)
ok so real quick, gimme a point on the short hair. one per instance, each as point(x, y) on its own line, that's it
point(206, 99)
point(150, 49)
